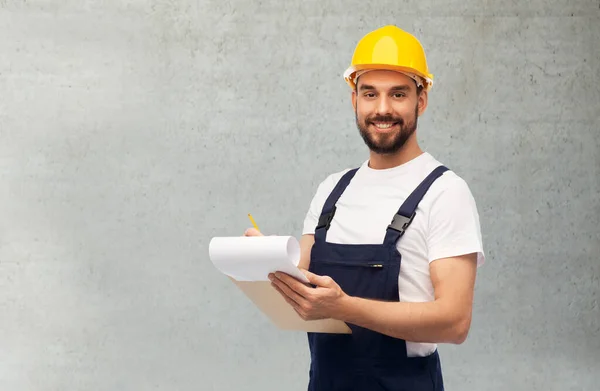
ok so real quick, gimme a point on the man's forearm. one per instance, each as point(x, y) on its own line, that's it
point(432, 322)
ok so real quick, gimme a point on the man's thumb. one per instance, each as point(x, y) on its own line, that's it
point(315, 279)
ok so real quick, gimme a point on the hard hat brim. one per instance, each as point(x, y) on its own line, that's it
point(351, 71)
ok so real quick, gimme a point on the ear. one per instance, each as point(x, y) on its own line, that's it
point(354, 99)
point(422, 102)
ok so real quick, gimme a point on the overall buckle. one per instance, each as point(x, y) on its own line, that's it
point(326, 219)
point(400, 223)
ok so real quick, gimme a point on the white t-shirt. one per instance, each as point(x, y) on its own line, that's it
point(446, 222)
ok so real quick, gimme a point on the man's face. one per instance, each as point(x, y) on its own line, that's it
point(387, 107)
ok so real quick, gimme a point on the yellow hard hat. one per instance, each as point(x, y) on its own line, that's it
point(390, 48)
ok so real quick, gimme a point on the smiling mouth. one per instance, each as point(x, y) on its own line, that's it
point(383, 126)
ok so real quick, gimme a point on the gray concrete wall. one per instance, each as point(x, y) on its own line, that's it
point(131, 132)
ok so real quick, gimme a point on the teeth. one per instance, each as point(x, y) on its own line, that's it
point(383, 126)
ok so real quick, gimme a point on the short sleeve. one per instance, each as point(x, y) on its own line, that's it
point(454, 226)
point(316, 205)
point(312, 216)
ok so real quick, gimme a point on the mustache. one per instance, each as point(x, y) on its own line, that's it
point(385, 118)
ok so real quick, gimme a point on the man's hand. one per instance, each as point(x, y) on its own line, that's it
point(324, 301)
point(252, 232)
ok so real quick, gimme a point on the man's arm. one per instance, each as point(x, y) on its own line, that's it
point(447, 319)
point(306, 243)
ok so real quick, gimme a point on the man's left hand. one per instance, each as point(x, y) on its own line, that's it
point(310, 303)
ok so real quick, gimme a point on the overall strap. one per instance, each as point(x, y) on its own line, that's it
point(406, 213)
point(328, 210)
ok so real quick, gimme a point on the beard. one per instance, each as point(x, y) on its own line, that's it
point(387, 143)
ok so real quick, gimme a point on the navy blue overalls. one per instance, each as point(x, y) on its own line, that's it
point(366, 360)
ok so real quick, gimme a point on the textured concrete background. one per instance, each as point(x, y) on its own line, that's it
point(131, 132)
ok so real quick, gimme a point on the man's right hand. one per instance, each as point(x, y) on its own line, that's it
point(252, 232)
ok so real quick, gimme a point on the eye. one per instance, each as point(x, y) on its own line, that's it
point(369, 95)
point(399, 95)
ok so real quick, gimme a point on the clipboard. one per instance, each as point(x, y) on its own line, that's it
point(281, 314)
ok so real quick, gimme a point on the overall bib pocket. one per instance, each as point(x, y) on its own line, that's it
point(362, 279)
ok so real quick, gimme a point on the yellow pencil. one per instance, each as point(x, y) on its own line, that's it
point(253, 223)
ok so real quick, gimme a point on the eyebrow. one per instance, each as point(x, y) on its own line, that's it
point(400, 88)
point(367, 87)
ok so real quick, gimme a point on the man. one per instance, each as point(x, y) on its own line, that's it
point(391, 247)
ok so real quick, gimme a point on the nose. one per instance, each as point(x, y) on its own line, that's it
point(383, 106)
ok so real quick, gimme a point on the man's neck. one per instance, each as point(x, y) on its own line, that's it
point(408, 152)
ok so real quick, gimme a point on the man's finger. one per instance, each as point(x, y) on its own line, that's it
point(252, 232)
point(289, 291)
point(317, 280)
point(291, 302)
point(297, 286)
